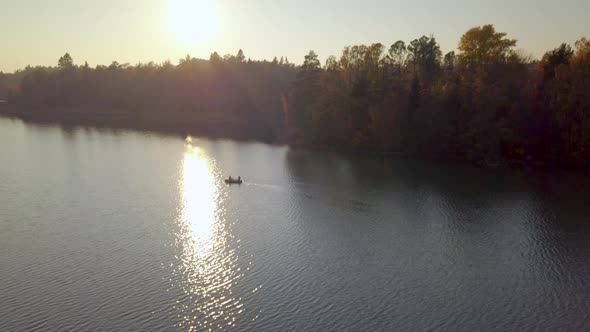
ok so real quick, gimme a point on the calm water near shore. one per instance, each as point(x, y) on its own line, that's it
point(104, 230)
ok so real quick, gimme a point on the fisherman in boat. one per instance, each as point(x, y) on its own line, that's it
point(239, 178)
point(230, 178)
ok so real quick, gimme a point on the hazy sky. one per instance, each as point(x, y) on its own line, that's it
point(100, 31)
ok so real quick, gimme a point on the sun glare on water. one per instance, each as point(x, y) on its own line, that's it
point(207, 267)
point(192, 22)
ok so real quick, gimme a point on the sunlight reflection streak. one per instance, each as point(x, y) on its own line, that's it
point(208, 262)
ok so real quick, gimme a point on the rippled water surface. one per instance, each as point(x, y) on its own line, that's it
point(105, 230)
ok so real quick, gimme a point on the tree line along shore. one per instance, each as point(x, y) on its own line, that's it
point(485, 103)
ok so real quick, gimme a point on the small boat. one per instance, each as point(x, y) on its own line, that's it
point(233, 181)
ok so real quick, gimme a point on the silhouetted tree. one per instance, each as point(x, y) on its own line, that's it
point(449, 60)
point(425, 54)
point(215, 58)
point(397, 55)
point(483, 45)
point(65, 62)
point(240, 57)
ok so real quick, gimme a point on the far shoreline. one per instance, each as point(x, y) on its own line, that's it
point(98, 122)
point(104, 120)
point(10, 111)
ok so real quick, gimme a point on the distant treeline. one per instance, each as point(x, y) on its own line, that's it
point(486, 103)
point(228, 96)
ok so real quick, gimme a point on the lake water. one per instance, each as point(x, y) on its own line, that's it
point(105, 230)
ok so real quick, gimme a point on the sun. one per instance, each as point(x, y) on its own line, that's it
point(192, 22)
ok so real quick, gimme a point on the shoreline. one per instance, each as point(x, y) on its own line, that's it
point(104, 120)
point(112, 119)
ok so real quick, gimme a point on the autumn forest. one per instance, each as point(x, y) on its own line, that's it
point(486, 103)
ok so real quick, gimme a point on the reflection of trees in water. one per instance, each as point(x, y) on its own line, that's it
point(382, 173)
point(496, 231)
point(457, 196)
